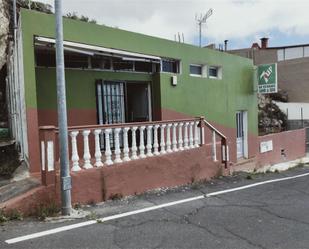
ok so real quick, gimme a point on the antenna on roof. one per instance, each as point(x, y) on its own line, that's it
point(200, 20)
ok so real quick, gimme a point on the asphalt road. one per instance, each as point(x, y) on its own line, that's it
point(274, 215)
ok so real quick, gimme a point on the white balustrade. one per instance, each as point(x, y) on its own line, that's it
point(162, 140)
point(180, 141)
point(191, 138)
point(149, 140)
point(126, 149)
point(186, 140)
point(159, 139)
point(117, 146)
point(155, 140)
point(214, 147)
point(97, 154)
point(134, 147)
point(75, 157)
point(108, 152)
point(196, 134)
point(168, 138)
point(225, 147)
point(87, 156)
point(141, 142)
point(174, 138)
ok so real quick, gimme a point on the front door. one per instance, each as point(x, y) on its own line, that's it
point(240, 134)
point(138, 102)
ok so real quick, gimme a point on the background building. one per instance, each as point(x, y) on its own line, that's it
point(293, 76)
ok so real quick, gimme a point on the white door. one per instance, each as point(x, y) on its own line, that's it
point(240, 134)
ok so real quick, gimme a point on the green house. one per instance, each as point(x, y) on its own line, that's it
point(118, 77)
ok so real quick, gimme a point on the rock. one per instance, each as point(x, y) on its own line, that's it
point(4, 31)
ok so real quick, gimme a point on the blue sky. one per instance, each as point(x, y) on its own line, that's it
point(242, 22)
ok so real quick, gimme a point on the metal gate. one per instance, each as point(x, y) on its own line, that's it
point(110, 101)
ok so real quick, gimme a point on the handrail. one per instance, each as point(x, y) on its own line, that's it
point(223, 142)
point(214, 129)
point(104, 126)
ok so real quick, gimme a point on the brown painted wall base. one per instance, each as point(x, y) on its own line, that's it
point(130, 178)
point(287, 146)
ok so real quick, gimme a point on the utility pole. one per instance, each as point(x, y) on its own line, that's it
point(200, 20)
point(62, 115)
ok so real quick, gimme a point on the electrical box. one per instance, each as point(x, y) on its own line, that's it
point(174, 80)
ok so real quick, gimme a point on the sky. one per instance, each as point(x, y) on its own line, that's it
point(242, 22)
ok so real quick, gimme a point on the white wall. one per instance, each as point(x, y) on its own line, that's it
point(294, 110)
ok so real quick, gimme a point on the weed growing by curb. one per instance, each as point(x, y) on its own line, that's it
point(47, 210)
point(10, 215)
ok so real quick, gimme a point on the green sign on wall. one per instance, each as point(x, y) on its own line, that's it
point(267, 78)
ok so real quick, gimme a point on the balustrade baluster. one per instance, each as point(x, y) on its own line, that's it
point(196, 134)
point(117, 146)
point(134, 147)
point(87, 156)
point(180, 141)
point(162, 140)
point(141, 142)
point(214, 146)
point(108, 152)
point(75, 157)
point(97, 154)
point(149, 141)
point(126, 149)
point(174, 138)
point(191, 139)
point(168, 138)
point(186, 140)
point(155, 140)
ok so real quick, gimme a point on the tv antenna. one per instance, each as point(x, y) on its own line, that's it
point(200, 20)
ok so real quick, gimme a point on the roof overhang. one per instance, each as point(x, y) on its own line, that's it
point(92, 50)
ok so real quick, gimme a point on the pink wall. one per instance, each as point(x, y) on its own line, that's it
point(130, 178)
point(292, 142)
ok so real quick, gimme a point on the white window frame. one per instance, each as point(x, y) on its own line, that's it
point(179, 66)
point(219, 72)
point(204, 71)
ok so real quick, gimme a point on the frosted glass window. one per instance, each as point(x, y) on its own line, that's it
point(293, 53)
point(280, 54)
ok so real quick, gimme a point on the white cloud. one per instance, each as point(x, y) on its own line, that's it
point(233, 20)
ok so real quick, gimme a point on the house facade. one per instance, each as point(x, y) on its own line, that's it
point(116, 76)
point(143, 112)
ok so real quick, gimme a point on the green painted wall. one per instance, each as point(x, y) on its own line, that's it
point(80, 86)
point(218, 100)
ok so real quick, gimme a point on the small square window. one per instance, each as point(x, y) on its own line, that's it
point(196, 70)
point(215, 72)
point(170, 66)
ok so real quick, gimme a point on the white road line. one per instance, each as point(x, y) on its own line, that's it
point(143, 210)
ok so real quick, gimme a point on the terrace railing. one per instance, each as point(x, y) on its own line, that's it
point(105, 145)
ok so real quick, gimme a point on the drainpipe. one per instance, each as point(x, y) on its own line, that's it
point(66, 207)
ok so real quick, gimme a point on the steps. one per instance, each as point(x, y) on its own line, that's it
point(244, 165)
point(13, 189)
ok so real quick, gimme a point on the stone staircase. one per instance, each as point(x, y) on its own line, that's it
point(9, 190)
